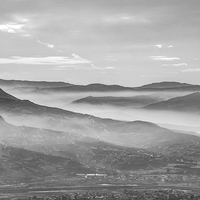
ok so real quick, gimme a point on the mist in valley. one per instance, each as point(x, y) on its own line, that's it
point(169, 119)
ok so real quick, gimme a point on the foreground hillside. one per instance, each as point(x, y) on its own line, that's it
point(19, 165)
point(70, 150)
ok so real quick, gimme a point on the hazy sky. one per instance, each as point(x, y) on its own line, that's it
point(127, 42)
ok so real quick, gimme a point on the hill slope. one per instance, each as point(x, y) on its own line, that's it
point(165, 85)
point(34, 84)
point(18, 164)
point(135, 101)
point(6, 96)
point(137, 134)
point(94, 153)
point(188, 103)
point(45, 86)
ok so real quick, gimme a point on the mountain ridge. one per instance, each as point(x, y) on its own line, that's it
point(190, 103)
point(137, 101)
point(100, 87)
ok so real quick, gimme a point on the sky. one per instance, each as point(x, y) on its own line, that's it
point(125, 42)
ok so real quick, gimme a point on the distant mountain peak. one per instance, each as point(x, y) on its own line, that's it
point(166, 84)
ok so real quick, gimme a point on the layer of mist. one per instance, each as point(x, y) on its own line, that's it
point(124, 113)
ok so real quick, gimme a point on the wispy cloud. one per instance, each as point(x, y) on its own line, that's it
point(51, 60)
point(51, 46)
point(125, 19)
point(111, 58)
point(11, 27)
point(175, 65)
point(164, 58)
point(18, 25)
point(191, 70)
point(159, 46)
point(90, 66)
point(109, 67)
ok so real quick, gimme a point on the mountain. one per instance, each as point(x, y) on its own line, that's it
point(188, 103)
point(21, 165)
point(137, 134)
point(6, 96)
point(97, 155)
point(28, 150)
point(96, 87)
point(169, 86)
point(165, 85)
point(135, 101)
point(45, 86)
point(34, 84)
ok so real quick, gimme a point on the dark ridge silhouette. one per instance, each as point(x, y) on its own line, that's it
point(4, 95)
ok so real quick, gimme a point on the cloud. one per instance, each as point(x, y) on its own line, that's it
point(109, 67)
point(51, 60)
point(18, 25)
point(51, 46)
point(68, 66)
point(164, 58)
point(175, 65)
point(111, 59)
point(191, 70)
point(64, 67)
point(126, 19)
point(159, 46)
point(95, 67)
point(76, 56)
point(12, 27)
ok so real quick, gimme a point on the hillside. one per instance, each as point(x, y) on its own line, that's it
point(34, 84)
point(6, 96)
point(96, 87)
point(135, 101)
point(21, 165)
point(137, 134)
point(188, 103)
point(93, 153)
point(165, 85)
point(45, 86)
